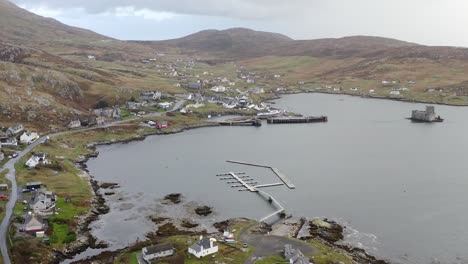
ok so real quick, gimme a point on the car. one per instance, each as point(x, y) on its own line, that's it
point(3, 197)
point(14, 155)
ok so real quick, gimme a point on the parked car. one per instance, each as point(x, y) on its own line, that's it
point(14, 155)
point(3, 197)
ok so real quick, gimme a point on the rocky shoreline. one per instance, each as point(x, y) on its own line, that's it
point(85, 239)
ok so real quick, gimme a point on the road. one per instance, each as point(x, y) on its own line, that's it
point(11, 176)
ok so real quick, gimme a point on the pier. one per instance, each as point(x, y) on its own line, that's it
point(276, 171)
point(297, 120)
point(246, 184)
point(250, 122)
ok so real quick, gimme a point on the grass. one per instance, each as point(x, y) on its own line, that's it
point(325, 254)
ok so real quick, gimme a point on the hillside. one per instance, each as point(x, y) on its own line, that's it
point(46, 78)
point(20, 26)
point(46, 73)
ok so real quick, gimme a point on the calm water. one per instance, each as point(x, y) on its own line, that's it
point(401, 187)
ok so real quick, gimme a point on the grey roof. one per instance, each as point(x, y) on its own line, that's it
point(299, 258)
point(205, 243)
point(158, 248)
point(30, 218)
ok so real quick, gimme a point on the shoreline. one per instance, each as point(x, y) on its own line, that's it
point(403, 100)
point(99, 206)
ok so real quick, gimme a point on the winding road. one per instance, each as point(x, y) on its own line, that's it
point(11, 176)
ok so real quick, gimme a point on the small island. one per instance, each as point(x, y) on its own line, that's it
point(427, 116)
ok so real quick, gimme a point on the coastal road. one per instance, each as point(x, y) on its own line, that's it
point(11, 176)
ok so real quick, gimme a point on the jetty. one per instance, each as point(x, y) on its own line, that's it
point(276, 171)
point(249, 122)
point(297, 120)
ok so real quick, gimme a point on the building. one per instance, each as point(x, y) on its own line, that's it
point(9, 143)
point(3, 135)
point(2, 156)
point(33, 223)
point(157, 251)
point(395, 92)
point(150, 95)
point(44, 203)
point(28, 137)
point(100, 120)
point(15, 130)
point(162, 124)
point(228, 237)
point(428, 115)
point(195, 85)
point(218, 89)
point(204, 247)
point(31, 186)
point(3, 187)
point(108, 112)
point(295, 256)
point(164, 105)
point(257, 90)
point(36, 159)
point(74, 124)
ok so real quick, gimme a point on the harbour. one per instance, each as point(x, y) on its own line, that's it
point(405, 200)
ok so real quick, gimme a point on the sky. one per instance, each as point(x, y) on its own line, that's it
point(429, 22)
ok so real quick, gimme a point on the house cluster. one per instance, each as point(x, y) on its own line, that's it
point(42, 204)
point(202, 248)
point(14, 135)
point(99, 119)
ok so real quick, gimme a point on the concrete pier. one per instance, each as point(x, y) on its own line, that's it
point(283, 178)
point(297, 120)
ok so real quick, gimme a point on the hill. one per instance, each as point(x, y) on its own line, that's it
point(53, 72)
point(20, 26)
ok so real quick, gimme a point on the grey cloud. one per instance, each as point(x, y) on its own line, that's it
point(245, 9)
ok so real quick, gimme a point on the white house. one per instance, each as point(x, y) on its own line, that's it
point(395, 93)
point(157, 251)
point(257, 90)
point(9, 143)
point(91, 57)
point(150, 95)
point(36, 159)
point(74, 124)
point(204, 247)
point(29, 137)
point(218, 89)
point(164, 105)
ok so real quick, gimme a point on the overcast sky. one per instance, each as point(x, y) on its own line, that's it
point(430, 22)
